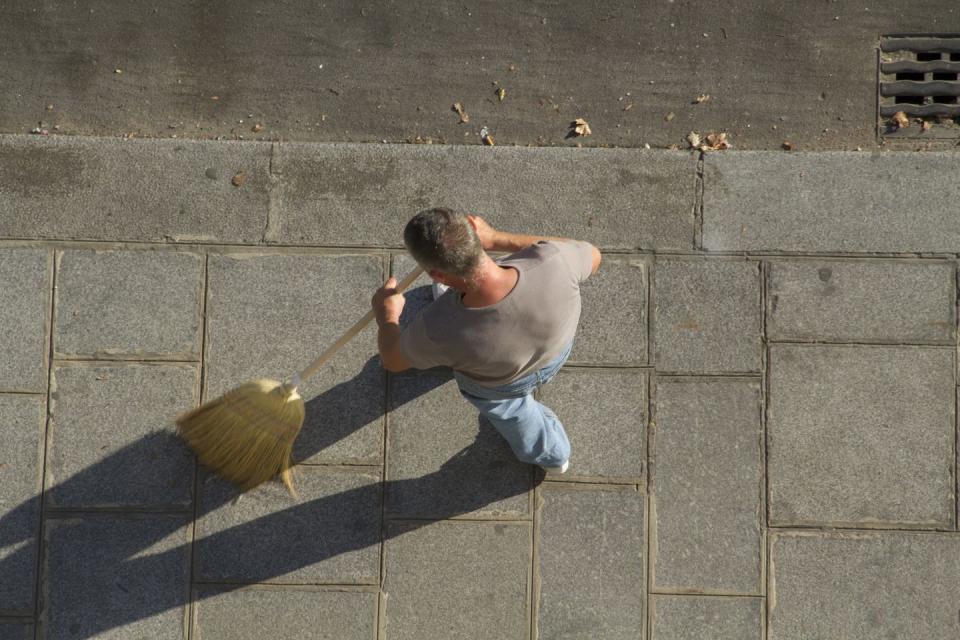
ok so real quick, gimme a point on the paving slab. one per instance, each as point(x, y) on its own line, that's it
point(21, 431)
point(443, 461)
point(253, 613)
point(707, 509)
point(614, 315)
point(111, 439)
point(851, 585)
point(803, 202)
point(134, 304)
point(465, 580)
point(859, 301)
point(697, 617)
point(115, 576)
point(614, 198)
point(269, 316)
point(861, 436)
point(707, 316)
point(604, 412)
point(24, 311)
point(591, 572)
point(330, 535)
point(65, 187)
point(15, 630)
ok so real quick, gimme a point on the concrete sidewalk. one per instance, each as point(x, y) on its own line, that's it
point(761, 401)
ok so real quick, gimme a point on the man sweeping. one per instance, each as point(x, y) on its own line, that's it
point(505, 327)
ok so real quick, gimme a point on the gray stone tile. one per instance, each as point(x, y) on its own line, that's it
point(269, 316)
point(464, 580)
point(774, 201)
point(443, 460)
point(614, 198)
point(592, 577)
point(330, 534)
point(115, 576)
point(254, 613)
point(864, 585)
point(143, 304)
point(24, 309)
point(857, 301)
point(707, 486)
point(21, 431)
point(604, 413)
point(613, 321)
point(147, 190)
point(861, 435)
point(698, 617)
point(111, 437)
point(707, 316)
point(15, 630)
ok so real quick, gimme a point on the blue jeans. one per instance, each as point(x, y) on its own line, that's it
point(533, 431)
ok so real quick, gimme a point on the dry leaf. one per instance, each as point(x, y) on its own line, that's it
point(700, 99)
point(670, 116)
point(788, 146)
point(239, 179)
point(464, 118)
point(501, 93)
point(257, 128)
point(628, 107)
point(580, 127)
point(487, 140)
point(694, 139)
point(926, 125)
point(900, 120)
point(715, 142)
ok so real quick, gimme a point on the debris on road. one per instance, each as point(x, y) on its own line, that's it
point(711, 142)
point(900, 120)
point(257, 128)
point(40, 132)
point(700, 99)
point(788, 146)
point(501, 93)
point(580, 128)
point(239, 179)
point(670, 116)
point(458, 108)
point(926, 125)
point(694, 139)
point(486, 137)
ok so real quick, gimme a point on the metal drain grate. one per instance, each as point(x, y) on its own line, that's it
point(920, 76)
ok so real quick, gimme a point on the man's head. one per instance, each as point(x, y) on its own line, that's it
point(444, 243)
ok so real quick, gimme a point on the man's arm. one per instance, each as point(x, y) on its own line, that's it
point(493, 240)
point(387, 306)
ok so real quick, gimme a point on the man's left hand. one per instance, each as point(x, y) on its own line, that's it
point(388, 303)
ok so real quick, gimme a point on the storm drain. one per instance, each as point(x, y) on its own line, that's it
point(920, 77)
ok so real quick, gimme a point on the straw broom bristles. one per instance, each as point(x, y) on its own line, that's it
point(247, 434)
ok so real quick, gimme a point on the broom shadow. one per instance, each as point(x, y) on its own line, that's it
point(350, 521)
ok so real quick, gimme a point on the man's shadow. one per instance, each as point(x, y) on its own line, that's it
point(120, 587)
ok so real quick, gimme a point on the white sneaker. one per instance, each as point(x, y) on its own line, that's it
point(556, 471)
point(439, 290)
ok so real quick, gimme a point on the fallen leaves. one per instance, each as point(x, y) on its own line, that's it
point(788, 146)
point(926, 125)
point(501, 94)
point(900, 120)
point(460, 111)
point(580, 128)
point(257, 128)
point(239, 179)
point(700, 99)
point(710, 142)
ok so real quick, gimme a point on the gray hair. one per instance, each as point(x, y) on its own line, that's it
point(443, 240)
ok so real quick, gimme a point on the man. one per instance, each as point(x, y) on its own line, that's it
point(505, 327)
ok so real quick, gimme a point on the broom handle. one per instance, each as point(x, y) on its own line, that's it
point(346, 337)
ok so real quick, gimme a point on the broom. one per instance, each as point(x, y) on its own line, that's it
point(247, 434)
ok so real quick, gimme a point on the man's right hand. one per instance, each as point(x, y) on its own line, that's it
point(486, 233)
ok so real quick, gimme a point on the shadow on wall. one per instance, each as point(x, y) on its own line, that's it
point(124, 581)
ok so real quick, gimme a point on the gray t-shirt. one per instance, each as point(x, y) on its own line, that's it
point(514, 337)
